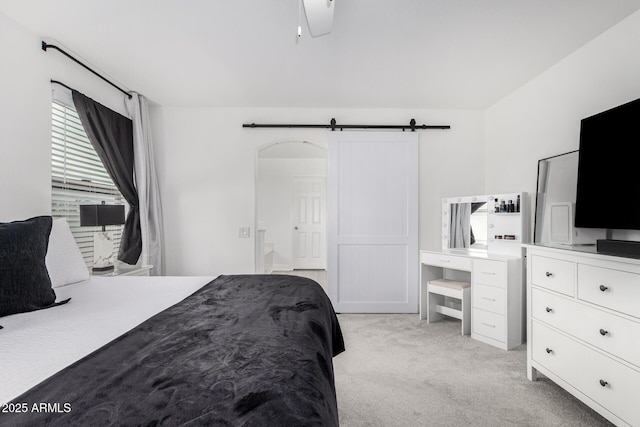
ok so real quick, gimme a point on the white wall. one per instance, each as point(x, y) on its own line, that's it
point(25, 117)
point(274, 194)
point(207, 160)
point(207, 172)
point(25, 125)
point(542, 118)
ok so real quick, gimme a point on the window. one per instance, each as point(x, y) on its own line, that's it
point(78, 177)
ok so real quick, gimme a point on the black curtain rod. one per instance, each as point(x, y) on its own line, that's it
point(61, 84)
point(334, 126)
point(45, 46)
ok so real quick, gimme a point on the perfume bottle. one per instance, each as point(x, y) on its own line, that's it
point(496, 206)
point(503, 206)
point(518, 204)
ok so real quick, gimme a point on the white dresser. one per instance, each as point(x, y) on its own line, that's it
point(583, 327)
point(497, 309)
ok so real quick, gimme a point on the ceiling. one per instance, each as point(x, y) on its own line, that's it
point(411, 54)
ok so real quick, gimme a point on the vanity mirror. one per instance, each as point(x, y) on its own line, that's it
point(555, 204)
point(465, 223)
point(489, 223)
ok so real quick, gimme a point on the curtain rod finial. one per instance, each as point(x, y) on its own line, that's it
point(43, 45)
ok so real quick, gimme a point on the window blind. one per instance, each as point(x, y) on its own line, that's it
point(78, 177)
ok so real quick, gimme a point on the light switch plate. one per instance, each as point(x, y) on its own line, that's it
point(245, 232)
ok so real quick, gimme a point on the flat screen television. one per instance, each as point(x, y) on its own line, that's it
point(608, 188)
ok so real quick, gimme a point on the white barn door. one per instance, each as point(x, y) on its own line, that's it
point(373, 256)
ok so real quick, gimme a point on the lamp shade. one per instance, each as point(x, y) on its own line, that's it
point(101, 215)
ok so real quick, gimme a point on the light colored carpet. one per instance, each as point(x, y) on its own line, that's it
point(400, 371)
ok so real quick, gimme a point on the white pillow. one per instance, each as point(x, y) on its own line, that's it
point(64, 260)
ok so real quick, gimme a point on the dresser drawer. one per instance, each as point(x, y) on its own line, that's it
point(614, 289)
point(611, 333)
point(489, 298)
point(609, 383)
point(554, 274)
point(489, 324)
point(488, 272)
point(446, 261)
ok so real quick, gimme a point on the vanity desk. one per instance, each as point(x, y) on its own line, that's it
point(485, 251)
point(497, 303)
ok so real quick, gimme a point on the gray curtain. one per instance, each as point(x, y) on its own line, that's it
point(459, 225)
point(111, 134)
point(147, 185)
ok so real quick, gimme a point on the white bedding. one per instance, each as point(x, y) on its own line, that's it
point(36, 345)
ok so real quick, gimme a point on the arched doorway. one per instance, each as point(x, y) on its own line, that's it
point(291, 208)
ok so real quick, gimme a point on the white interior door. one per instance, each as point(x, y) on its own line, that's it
point(309, 223)
point(373, 257)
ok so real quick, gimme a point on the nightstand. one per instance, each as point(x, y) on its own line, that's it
point(125, 270)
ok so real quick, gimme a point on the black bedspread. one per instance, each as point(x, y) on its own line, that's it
point(252, 350)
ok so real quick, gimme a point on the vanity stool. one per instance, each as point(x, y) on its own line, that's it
point(438, 290)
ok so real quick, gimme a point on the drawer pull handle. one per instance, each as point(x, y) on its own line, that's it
point(489, 299)
point(603, 332)
point(603, 288)
point(489, 273)
point(603, 383)
point(549, 309)
point(548, 274)
point(549, 351)
point(489, 325)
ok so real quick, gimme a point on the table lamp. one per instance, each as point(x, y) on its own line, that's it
point(102, 215)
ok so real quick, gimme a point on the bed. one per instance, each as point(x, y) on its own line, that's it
point(231, 350)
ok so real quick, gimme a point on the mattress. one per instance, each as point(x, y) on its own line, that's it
point(36, 345)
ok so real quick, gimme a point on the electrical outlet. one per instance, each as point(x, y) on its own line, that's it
point(244, 232)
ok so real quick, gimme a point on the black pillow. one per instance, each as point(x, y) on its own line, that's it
point(24, 281)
